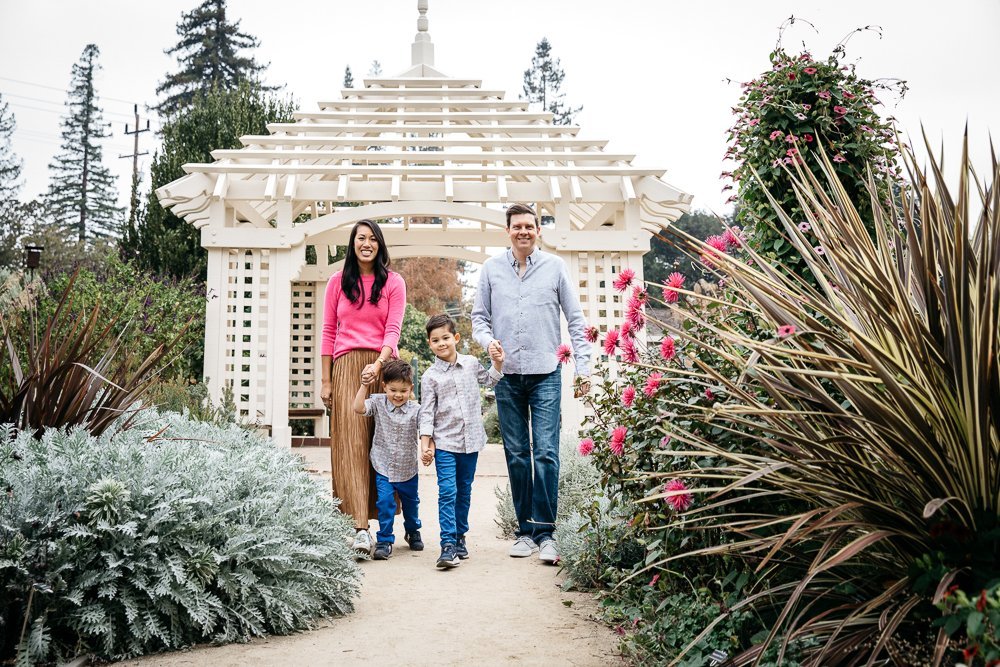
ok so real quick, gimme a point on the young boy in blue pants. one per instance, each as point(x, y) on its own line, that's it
point(451, 429)
point(394, 454)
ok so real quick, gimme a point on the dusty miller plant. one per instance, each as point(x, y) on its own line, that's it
point(170, 533)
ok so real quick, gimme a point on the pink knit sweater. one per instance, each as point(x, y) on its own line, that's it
point(347, 327)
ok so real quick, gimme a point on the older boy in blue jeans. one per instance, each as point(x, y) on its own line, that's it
point(394, 454)
point(451, 429)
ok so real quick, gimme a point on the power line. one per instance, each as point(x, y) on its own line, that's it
point(62, 90)
point(54, 103)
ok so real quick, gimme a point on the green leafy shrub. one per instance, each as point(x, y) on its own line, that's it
point(782, 119)
point(149, 309)
point(154, 538)
point(976, 620)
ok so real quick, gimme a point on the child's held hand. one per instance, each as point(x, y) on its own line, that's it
point(496, 352)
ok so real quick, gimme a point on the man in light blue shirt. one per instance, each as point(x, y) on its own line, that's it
point(521, 295)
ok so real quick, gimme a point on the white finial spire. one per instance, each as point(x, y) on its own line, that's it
point(422, 49)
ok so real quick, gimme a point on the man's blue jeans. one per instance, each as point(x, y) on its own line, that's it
point(529, 410)
point(455, 473)
point(385, 503)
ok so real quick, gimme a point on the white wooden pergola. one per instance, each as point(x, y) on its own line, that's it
point(434, 159)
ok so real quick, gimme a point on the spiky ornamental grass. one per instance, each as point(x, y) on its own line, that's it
point(170, 533)
point(876, 486)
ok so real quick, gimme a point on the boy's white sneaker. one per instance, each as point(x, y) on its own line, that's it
point(523, 547)
point(363, 544)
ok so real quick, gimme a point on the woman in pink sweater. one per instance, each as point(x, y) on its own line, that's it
point(362, 319)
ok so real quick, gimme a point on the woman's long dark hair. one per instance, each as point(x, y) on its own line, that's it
point(350, 277)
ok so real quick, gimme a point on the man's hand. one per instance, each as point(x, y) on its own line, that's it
point(581, 387)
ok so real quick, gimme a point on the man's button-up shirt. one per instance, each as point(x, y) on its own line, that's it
point(395, 444)
point(450, 407)
point(524, 313)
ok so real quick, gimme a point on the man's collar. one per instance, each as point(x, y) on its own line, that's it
point(532, 258)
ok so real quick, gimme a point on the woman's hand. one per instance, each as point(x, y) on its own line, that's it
point(326, 393)
point(370, 373)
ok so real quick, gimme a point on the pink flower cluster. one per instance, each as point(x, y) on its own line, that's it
point(675, 281)
point(624, 279)
point(564, 353)
point(679, 499)
point(617, 443)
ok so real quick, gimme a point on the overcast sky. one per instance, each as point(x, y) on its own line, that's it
point(653, 77)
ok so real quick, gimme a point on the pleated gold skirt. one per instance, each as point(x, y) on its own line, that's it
point(351, 439)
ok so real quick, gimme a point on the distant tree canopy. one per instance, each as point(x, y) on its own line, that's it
point(209, 58)
point(160, 241)
point(433, 284)
point(82, 197)
point(664, 258)
point(543, 85)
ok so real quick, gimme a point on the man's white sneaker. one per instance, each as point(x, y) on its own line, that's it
point(523, 547)
point(548, 552)
point(362, 544)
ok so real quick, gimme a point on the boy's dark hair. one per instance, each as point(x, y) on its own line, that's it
point(438, 321)
point(520, 209)
point(397, 369)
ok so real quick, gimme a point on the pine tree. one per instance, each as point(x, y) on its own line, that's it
point(208, 57)
point(542, 83)
point(348, 77)
point(81, 198)
point(10, 164)
point(375, 70)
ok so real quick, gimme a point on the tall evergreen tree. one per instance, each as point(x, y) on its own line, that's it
point(348, 77)
point(10, 164)
point(208, 54)
point(543, 83)
point(160, 241)
point(375, 70)
point(81, 198)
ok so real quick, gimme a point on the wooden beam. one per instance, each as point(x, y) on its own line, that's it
point(419, 156)
point(466, 116)
point(424, 104)
point(426, 170)
point(315, 129)
point(421, 142)
point(451, 93)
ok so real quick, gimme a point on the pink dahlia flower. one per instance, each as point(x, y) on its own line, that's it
point(680, 500)
point(624, 279)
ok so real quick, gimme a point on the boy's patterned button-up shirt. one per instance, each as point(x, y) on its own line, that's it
point(450, 407)
point(395, 445)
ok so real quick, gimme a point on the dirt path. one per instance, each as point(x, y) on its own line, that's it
point(492, 610)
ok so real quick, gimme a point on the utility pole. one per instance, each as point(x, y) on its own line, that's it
point(134, 203)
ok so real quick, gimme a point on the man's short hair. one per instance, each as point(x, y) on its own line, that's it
point(438, 321)
point(396, 370)
point(521, 209)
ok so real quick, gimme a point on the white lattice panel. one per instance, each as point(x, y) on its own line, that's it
point(304, 347)
point(246, 324)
